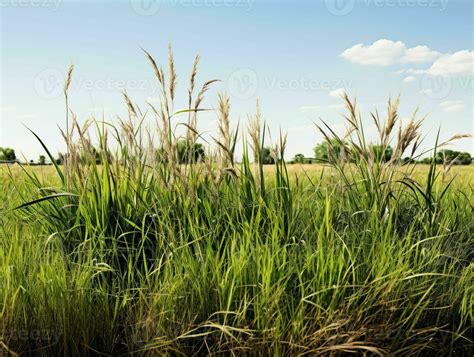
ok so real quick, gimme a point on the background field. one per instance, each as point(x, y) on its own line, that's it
point(141, 243)
point(336, 283)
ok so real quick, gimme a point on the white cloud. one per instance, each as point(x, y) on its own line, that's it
point(302, 129)
point(213, 124)
point(458, 63)
point(337, 93)
point(6, 109)
point(420, 54)
point(18, 114)
point(153, 100)
point(450, 106)
point(427, 91)
point(415, 71)
point(387, 52)
point(310, 109)
point(27, 116)
point(337, 106)
point(381, 53)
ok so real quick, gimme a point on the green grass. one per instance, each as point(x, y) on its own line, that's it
point(145, 256)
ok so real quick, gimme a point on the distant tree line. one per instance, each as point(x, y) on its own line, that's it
point(8, 155)
point(324, 152)
point(450, 157)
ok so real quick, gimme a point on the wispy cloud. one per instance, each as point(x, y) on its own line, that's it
point(458, 63)
point(450, 106)
point(301, 129)
point(310, 109)
point(336, 106)
point(27, 116)
point(387, 52)
point(427, 91)
point(337, 93)
point(6, 109)
point(153, 100)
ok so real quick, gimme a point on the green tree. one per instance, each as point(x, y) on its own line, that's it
point(186, 154)
point(382, 153)
point(299, 158)
point(465, 158)
point(267, 158)
point(328, 151)
point(408, 160)
point(447, 156)
point(42, 160)
point(7, 154)
point(453, 157)
point(60, 159)
point(427, 160)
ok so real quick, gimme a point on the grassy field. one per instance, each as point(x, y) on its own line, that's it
point(144, 255)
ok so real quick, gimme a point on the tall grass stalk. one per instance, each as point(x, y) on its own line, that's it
point(126, 251)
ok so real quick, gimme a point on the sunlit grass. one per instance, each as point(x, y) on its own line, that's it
point(141, 254)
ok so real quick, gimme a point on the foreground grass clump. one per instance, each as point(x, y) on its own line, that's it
point(143, 255)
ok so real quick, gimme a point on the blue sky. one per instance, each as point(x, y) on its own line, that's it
point(294, 56)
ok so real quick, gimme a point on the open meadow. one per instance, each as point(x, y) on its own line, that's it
point(149, 257)
point(158, 233)
point(237, 178)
